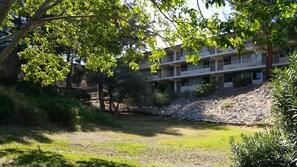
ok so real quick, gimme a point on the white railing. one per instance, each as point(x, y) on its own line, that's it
point(195, 70)
point(188, 88)
point(167, 59)
point(239, 64)
point(168, 74)
point(94, 95)
point(152, 77)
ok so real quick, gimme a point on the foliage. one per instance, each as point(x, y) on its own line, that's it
point(6, 108)
point(285, 97)
point(206, 88)
point(161, 99)
point(275, 147)
point(226, 103)
point(242, 81)
point(94, 115)
point(28, 88)
point(39, 109)
point(80, 95)
point(268, 148)
point(162, 86)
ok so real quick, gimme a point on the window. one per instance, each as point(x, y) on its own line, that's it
point(284, 52)
point(185, 82)
point(257, 75)
point(205, 63)
point(227, 77)
point(206, 79)
point(227, 60)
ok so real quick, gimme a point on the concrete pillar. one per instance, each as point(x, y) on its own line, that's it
point(175, 86)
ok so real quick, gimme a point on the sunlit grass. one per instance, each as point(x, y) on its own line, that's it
point(144, 142)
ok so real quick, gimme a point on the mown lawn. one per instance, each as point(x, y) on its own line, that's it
point(141, 141)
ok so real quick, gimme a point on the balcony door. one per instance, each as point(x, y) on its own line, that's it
point(212, 65)
point(220, 64)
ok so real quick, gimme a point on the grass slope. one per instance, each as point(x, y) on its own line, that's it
point(141, 141)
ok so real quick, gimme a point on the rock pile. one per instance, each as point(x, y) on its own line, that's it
point(249, 105)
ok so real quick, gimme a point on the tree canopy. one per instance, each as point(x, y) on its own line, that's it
point(103, 31)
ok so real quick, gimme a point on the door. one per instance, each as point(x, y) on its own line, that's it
point(212, 65)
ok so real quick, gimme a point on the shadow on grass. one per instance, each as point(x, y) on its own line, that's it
point(100, 162)
point(30, 158)
point(149, 126)
point(33, 158)
point(21, 135)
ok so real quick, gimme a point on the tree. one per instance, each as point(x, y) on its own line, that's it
point(265, 23)
point(99, 25)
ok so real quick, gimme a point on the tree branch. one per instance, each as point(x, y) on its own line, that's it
point(24, 30)
point(4, 9)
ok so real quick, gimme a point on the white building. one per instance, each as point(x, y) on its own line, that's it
point(222, 65)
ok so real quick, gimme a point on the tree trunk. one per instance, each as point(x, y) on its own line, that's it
point(101, 97)
point(69, 75)
point(110, 98)
point(268, 62)
point(121, 95)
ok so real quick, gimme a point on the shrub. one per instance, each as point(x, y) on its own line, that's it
point(28, 88)
point(81, 95)
point(162, 86)
point(161, 99)
point(277, 147)
point(6, 109)
point(285, 97)
point(244, 81)
point(94, 115)
point(226, 103)
point(61, 110)
point(205, 89)
point(263, 149)
point(30, 116)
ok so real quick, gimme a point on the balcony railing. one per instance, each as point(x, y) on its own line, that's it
point(168, 74)
point(195, 70)
point(167, 59)
point(239, 64)
point(188, 88)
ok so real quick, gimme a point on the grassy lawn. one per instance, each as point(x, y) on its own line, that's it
point(141, 141)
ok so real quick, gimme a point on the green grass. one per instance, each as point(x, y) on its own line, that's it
point(142, 141)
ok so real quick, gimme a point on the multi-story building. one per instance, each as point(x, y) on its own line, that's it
point(221, 65)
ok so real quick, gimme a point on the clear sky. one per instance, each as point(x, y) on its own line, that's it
point(223, 12)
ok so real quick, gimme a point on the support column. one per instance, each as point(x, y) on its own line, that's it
point(175, 86)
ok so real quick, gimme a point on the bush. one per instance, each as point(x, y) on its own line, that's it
point(81, 95)
point(285, 97)
point(244, 81)
point(263, 150)
point(6, 109)
point(161, 99)
point(61, 110)
point(30, 116)
point(28, 88)
point(162, 86)
point(205, 89)
point(94, 115)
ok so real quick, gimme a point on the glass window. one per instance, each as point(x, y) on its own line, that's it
point(227, 60)
point(257, 75)
point(205, 63)
point(227, 77)
point(185, 82)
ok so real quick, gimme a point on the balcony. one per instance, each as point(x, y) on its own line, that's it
point(188, 88)
point(239, 64)
point(152, 77)
point(167, 59)
point(195, 70)
point(167, 74)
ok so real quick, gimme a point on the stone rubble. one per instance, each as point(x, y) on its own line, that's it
point(249, 105)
